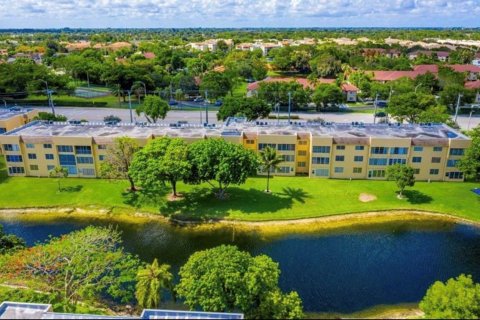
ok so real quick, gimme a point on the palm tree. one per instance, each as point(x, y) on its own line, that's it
point(269, 161)
point(150, 282)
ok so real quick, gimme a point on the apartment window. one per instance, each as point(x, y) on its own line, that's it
point(11, 147)
point(14, 158)
point(452, 163)
point(357, 170)
point(320, 160)
point(417, 159)
point(262, 146)
point(67, 160)
point(454, 175)
point(418, 149)
point(104, 146)
point(302, 164)
point(83, 150)
point(34, 167)
point(436, 159)
point(288, 158)
point(377, 162)
point(358, 158)
point(321, 149)
point(32, 156)
point(359, 148)
point(47, 146)
point(30, 145)
point(376, 173)
point(434, 172)
point(302, 153)
point(49, 156)
point(283, 170)
point(101, 157)
point(379, 150)
point(246, 142)
point(87, 172)
point(397, 150)
point(85, 160)
point(339, 158)
point(64, 148)
point(302, 142)
point(397, 161)
point(16, 170)
point(71, 169)
point(285, 147)
point(3, 130)
point(437, 149)
point(338, 169)
point(457, 152)
point(416, 171)
point(50, 168)
point(340, 147)
point(322, 172)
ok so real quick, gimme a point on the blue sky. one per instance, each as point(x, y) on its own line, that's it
point(238, 13)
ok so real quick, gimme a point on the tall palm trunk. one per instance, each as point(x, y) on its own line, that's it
point(268, 180)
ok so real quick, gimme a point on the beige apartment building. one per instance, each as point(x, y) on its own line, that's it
point(15, 117)
point(323, 150)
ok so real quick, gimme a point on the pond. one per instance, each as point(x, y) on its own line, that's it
point(341, 270)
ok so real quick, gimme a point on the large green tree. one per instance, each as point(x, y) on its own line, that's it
point(9, 242)
point(118, 160)
point(470, 163)
point(153, 108)
point(327, 94)
point(457, 298)
point(161, 160)
point(216, 84)
point(86, 265)
point(216, 160)
point(403, 175)
point(151, 280)
point(252, 108)
point(410, 106)
point(226, 279)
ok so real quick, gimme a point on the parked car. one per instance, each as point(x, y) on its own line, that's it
point(381, 103)
point(218, 103)
point(198, 99)
point(172, 102)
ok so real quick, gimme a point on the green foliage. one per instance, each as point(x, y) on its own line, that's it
point(458, 298)
point(223, 162)
point(217, 84)
point(84, 265)
point(161, 160)
point(153, 108)
point(269, 161)
point(327, 94)
point(415, 107)
point(226, 279)
point(151, 280)
point(47, 116)
point(277, 92)
point(449, 95)
point(118, 160)
point(325, 65)
point(404, 176)
point(427, 82)
point(59, 173)
point(363, 81)
point(470, 163)
point(10, 243)
point(252, 108)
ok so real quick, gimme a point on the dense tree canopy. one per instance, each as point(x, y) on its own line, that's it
point(470, 163)
point(251, 108)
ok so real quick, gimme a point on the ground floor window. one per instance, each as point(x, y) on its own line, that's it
point(322, 172)
point(376, 173)
point(357, 170)
point(454, 175)
point(283, 170)
point(16, 170)
point(71, 169)
point(87, 172)
point(434, 171)
point(338, 169)
point(34, 167)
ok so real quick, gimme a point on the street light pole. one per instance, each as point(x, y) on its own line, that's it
point(130, 105)
point(375, 110)
point(49, 94)
point(5, 103)
point(416, 87)
point(206, 107)
point(289, 105)
point(458, 107)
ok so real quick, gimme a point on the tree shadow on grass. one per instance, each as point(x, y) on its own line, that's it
point(72, 189)
point(202, 204)
point(141, 198)
point(417, 197)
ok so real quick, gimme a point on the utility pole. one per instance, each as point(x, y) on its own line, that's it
point(88, 80)
point(5, 103)
point(458, 107)
point(130, 105)
point(470, 118)
point(289, 105)
point(375, 110)
point(206, 107)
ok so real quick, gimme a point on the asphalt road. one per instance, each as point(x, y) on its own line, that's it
point(97, 114)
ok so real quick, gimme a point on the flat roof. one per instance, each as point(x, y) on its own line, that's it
point(237, 127)
point(6, 114)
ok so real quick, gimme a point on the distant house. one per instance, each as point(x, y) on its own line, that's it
point(473, 72)
point(440, 55)
point(350, 92)
point(77, 46)
point(210, 44)
point(476, 60)
point(253, 87)
point(372, 52)
point(474, 86)
point(119, 45)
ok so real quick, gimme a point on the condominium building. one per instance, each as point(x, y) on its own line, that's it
point(15, 117)
point(325, 150)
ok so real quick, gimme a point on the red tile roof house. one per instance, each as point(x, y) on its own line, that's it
point(350, 92)
point(474, 86)
point(252, 87)
point(473, 72)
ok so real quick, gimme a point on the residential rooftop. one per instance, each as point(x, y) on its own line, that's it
point(20, 310)
point(237, 127)
point(7, 113)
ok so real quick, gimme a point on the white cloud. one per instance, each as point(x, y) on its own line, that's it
point(178, 13)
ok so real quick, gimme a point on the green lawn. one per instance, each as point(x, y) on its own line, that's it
point(293, 197)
